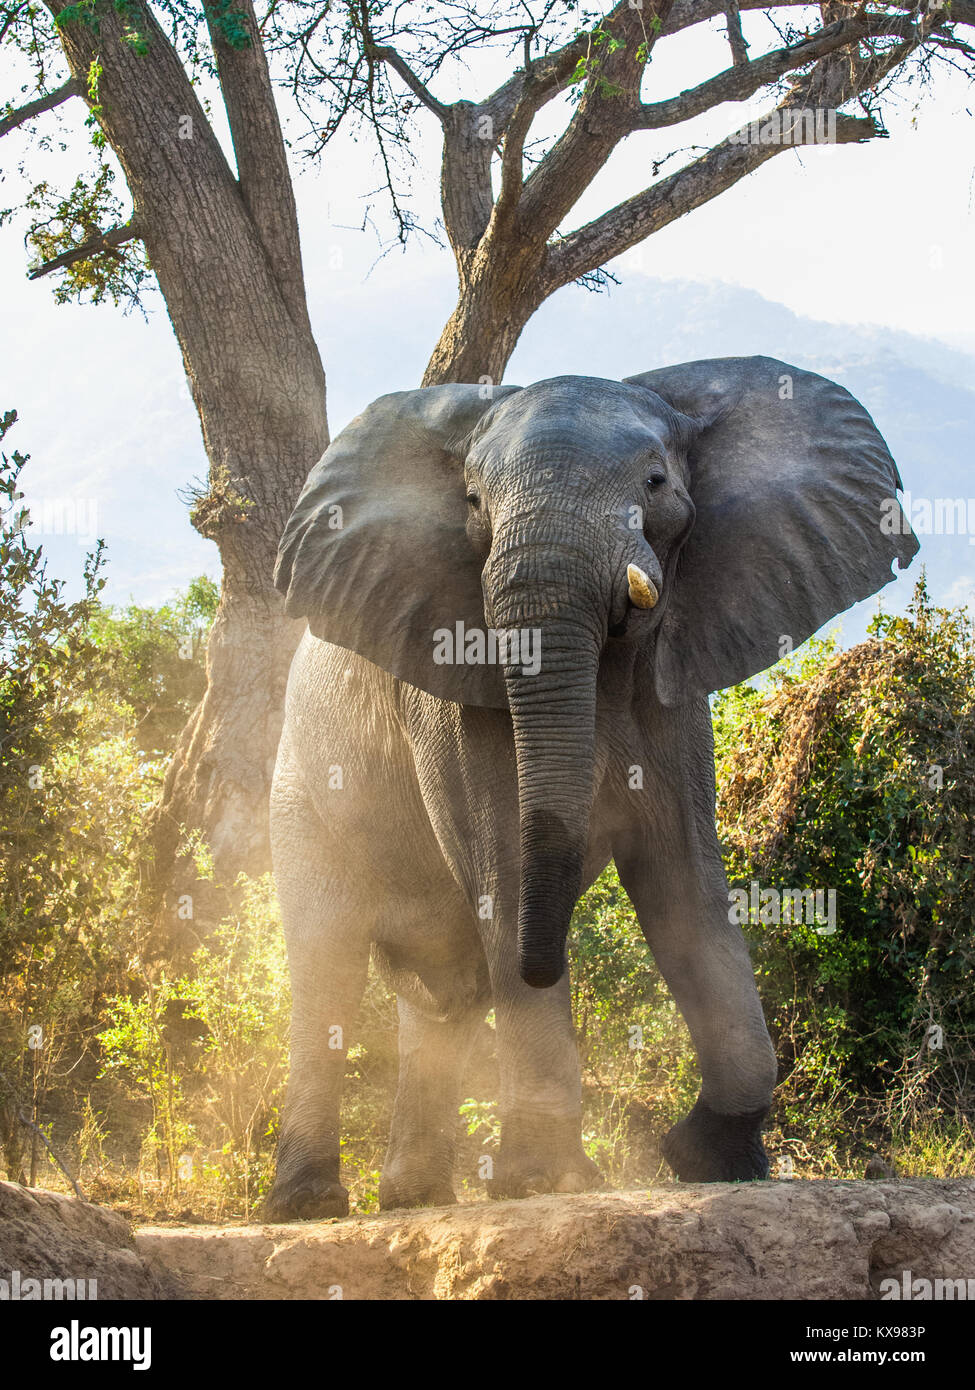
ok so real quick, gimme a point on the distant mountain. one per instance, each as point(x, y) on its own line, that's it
point(677, 320)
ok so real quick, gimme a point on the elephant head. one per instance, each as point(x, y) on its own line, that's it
point(702, 512)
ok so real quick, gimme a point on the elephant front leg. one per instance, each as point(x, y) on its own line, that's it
point(328, 958)
point(541, 1091)
point(704, 960)
point(327, 986)
point(669, 862)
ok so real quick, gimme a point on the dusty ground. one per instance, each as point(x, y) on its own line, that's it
point(810, 1240)
point(774, 1240)
point(48, 1236)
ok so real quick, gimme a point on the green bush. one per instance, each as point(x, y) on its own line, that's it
point(155, 657)
point(208, 1051)
point(76, 787)
point(238, 990)
point(639, 1070)
point(854, 771)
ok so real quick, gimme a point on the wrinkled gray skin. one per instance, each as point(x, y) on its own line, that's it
point(476, 804)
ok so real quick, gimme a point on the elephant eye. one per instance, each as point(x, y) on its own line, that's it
point(657, 478)
point(473, 497)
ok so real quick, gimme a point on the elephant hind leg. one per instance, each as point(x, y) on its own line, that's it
point(327, 982)
point(328, 956)
point(433, 1052)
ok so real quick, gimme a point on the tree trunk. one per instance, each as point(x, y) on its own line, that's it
point(226, 255)
point(497, 296)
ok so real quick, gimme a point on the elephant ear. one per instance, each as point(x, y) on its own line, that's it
point(797, 518)
point(376, 553)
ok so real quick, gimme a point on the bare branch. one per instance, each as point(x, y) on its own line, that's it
point(104, 241)
point(514, 146)
point(697, 183)
point(10, 18)
point(603, 117)
point(874, 70)
point(736, 39)
point(687, 13)
point(953, 44)
point(465, 181)
point(28, 1123)
point(13, 119)
point(740, 83)
point(549, 76)
point(403, 69)
point(632, 221)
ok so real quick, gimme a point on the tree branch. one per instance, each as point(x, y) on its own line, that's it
point(16, 118)
point(467, 194)
point(697, 183)
point(874, 69)
point(28, 1123)
point(740, 83)
point(953, 44)
point(686, 13)
point(632, 221)
point(512, 155)
point(403, 69)
point(549, 76)
point(736, 39)
point(104, 241)
point(601, 120)
point(262, 163)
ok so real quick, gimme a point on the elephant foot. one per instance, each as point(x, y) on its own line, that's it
point(584, 1177)
point(542, 1156)
point(395, 1193)
point(709, 1147)
point(307, 1197)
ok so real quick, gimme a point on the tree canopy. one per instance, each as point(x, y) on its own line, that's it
point(508, 190)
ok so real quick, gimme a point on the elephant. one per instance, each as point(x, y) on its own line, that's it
point(516, 598)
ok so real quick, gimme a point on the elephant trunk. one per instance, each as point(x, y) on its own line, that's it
point(553, 713)
point(554, 746)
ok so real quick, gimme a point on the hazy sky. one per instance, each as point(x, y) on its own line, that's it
point(880, 233)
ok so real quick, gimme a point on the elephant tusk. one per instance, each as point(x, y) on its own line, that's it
point(643, 591)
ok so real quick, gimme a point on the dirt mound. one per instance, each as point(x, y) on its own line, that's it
point(773, 1240)
point(54, 1240)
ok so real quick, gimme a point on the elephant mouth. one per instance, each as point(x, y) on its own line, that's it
point(644, 618)
point(647, 596)
point(645, 621)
